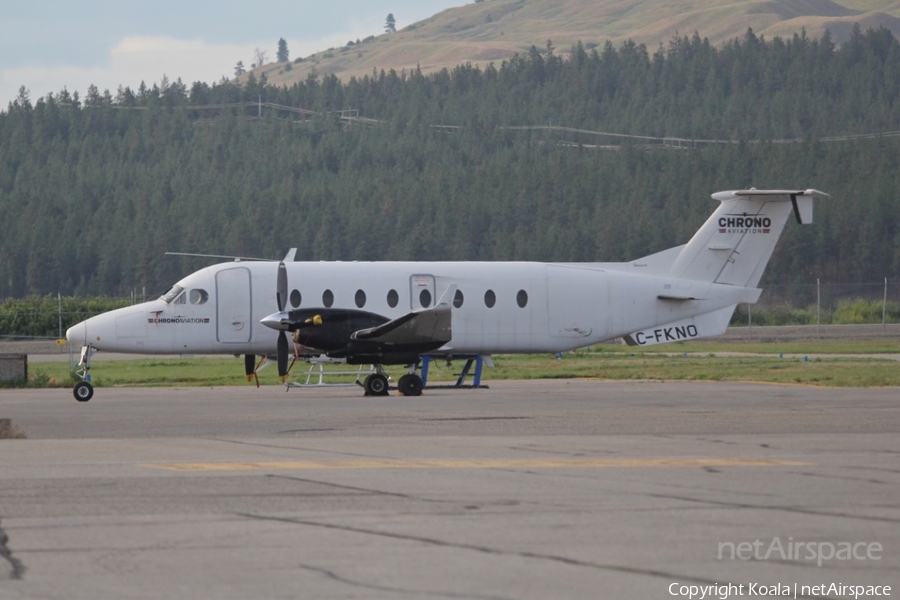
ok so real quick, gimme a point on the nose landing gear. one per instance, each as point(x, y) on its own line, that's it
point(83, 390)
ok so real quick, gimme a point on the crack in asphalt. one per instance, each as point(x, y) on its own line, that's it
point(476, 419)
point(298, 448)
point(309, 430)
point(493, 551)
point(791, 509)
point(357, 489)
point(384, 588)
point(18, 569)
point(844, 477)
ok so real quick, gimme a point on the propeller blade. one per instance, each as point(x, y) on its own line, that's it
point(282, 287)
point(283, 352)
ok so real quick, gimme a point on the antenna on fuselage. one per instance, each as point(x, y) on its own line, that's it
point(289, 257)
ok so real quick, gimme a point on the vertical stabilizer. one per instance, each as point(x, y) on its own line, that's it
point(734, 245)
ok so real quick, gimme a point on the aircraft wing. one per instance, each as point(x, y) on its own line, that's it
point(428, 326)
point(418, 327)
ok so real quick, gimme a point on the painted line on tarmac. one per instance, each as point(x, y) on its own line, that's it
point(304, 465)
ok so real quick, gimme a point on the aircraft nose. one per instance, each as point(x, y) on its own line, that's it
point(77, 334)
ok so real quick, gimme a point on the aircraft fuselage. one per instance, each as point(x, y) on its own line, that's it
point(498, 307)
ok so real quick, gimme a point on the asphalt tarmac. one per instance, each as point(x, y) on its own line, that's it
point(538, 489)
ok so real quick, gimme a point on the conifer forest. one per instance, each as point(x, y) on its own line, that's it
point(605, 154)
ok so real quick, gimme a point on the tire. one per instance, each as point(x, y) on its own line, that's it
point(83, 391)
point(376, 385)
point(410, 385)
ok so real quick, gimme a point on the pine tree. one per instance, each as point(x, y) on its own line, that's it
point(390, 25)
point(282, 54)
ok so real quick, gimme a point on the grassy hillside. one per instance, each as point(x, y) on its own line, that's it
point(494, 30)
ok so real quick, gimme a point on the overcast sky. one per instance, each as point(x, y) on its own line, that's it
point(48, 45)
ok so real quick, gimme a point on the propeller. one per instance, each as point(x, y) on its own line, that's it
point(281, 295)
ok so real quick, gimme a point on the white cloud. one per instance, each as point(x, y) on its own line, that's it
point(148, 58)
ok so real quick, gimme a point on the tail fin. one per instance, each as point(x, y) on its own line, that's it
point(735, 244)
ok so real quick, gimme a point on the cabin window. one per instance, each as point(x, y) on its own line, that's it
point(490, 299)
point(171, 294)
point(522, 298)
point(328, 298)
point(393, 298)
point(199, 296)
point(360, 298)
point(458, 299)
point(296, 298)
point(425, 298)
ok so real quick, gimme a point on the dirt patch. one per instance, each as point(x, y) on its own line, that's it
point(9, 431)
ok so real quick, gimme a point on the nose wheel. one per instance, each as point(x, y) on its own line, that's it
point(83, 391)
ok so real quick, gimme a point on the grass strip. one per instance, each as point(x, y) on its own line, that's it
point(616, 364)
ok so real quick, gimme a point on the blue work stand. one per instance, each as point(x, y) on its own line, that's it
point(471, 359)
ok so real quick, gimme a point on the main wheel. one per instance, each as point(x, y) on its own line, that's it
point(376, 384)
point(83, 391)
point(410, 385)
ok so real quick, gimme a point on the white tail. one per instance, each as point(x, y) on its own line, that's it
point(734, 245)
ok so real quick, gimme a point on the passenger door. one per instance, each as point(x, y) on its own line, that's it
point(233, 323)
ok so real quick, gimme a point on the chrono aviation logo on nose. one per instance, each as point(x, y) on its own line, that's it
point(744, 223)
point(178, 320)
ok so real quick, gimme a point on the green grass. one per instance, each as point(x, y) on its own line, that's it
point(832, 372)
point(606, 361)
point(874, 346)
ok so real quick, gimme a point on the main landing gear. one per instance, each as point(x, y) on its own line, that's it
point(376, 384)
point(83, 390)
point(410, 384)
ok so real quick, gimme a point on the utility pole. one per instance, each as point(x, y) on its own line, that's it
point(818, 305)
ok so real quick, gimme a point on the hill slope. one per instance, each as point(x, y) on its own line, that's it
point(494, 30)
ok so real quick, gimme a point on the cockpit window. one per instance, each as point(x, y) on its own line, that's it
point(173, 293)
point(199, 296)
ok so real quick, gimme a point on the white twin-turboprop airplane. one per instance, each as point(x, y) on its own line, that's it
point(394, 313)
